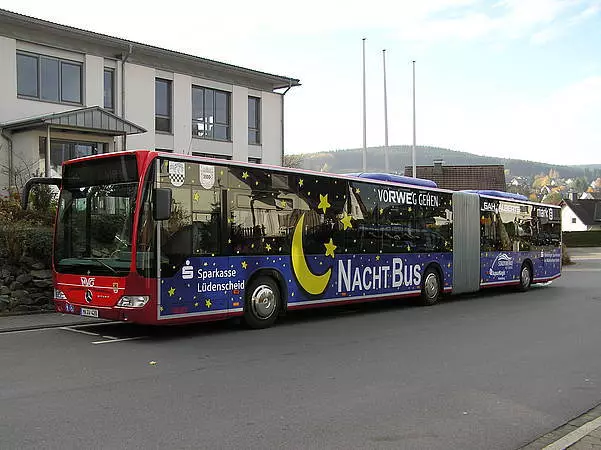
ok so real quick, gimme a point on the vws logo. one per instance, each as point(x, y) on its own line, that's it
point(88, 282)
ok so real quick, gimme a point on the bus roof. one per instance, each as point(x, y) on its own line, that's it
point(378, 178)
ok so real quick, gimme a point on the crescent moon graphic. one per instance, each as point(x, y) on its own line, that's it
point(313, 284)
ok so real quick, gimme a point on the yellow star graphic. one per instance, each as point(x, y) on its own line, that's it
point(196, 196)
point(323, 203)
point(196, 304)
point(268, 247)
point(244, 264)
point(229, 241)
point(381, 211)
point(283, 203)
point(346, 221)
point(330, 247)
point(301, 182)
point(245, 175)
point(409, 209)
point(171, 291)
point(162, 309)
point(408, 248)
point(208, 303)
point(357, 191)
point(377, 257)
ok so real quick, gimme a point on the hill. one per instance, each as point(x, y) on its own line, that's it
point(351, 160)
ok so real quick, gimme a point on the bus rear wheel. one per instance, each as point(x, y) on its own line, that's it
point(525, 277)
point(431, 287)
point(262, 303)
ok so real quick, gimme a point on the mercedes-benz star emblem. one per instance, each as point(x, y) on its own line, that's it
point(89, 296)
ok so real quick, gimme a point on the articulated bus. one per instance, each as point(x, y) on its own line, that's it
point(159, 238)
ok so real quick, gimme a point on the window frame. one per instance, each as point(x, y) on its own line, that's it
point(256, 129)
point(60, 63)
point(195, 121)
point(113, 90)
point(169, 83)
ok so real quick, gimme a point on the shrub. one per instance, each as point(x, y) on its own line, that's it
point(565, 256)
point(27, 232)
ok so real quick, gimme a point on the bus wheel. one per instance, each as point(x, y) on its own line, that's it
point(430, 287)
point(525, 277)
point(262, 303)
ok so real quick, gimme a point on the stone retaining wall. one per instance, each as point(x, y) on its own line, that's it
point(25, 287)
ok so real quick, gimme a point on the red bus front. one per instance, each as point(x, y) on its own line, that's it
point(100, 268)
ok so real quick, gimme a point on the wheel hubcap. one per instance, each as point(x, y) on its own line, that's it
point(525, 276)
point(263, 301)
point(431, 285)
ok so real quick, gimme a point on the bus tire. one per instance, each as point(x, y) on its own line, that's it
point(525, 277)
point(263, 302)
point(431, 287)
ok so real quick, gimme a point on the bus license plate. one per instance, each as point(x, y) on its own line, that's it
point(89, 312)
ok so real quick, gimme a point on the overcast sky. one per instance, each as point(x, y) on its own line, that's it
point(509, 78)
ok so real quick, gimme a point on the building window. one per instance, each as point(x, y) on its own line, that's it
point(210, 114)
point(254, 122)
point(109, 89)
point(209, 155)
point(162, 92)
point(573, 219)
point(254, 160)
point(49, 79)
point(62, 150)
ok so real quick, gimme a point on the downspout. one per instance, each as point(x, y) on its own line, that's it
point(10, 160)
point(284, 93)
point(124, 58)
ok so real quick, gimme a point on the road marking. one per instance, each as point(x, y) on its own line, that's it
point(27, 331)
point(575, 435)
point(582, 270)
point(89, 333)
point(119, 340)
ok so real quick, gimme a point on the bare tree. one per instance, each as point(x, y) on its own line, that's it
point(294, 161)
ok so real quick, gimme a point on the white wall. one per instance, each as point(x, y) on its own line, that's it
point(240, 123)
point(94, 81)
point(566, 220)
point(271, 128)
point(182, 113)
point(139, 104)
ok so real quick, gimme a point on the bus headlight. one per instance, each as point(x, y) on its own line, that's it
point(59, 295)
point(133, 301)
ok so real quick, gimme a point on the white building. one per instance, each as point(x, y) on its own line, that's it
point(66, 92)
point(580, 215)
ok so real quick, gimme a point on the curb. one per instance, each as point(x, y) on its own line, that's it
point(570, 433)
point(51, 324)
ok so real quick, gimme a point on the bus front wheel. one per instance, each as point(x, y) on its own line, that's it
point(262, 302)
point(431, 287)
point(525, 277)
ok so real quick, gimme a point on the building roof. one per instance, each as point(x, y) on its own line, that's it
point(40, 31)
point(93, 119)
point(587, 210)
point(491, 177)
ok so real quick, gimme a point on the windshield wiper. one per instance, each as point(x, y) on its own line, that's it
point(104, 264)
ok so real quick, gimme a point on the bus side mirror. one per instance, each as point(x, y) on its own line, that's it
point(161, 204)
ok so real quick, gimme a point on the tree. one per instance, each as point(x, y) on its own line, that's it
point(294, 161)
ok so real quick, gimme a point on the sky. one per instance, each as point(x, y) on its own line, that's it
point(506, 78)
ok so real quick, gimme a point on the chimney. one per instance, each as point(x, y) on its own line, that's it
point(573, 196)
point(438, 166)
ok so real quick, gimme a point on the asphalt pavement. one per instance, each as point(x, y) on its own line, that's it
point(494, 370)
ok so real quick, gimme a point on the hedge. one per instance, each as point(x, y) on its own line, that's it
point(582, 238)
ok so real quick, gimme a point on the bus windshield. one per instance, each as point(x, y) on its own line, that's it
point(95, 217)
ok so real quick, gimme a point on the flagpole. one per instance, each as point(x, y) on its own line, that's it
point(413, 152)
point(364, 115)
point(386, 164)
